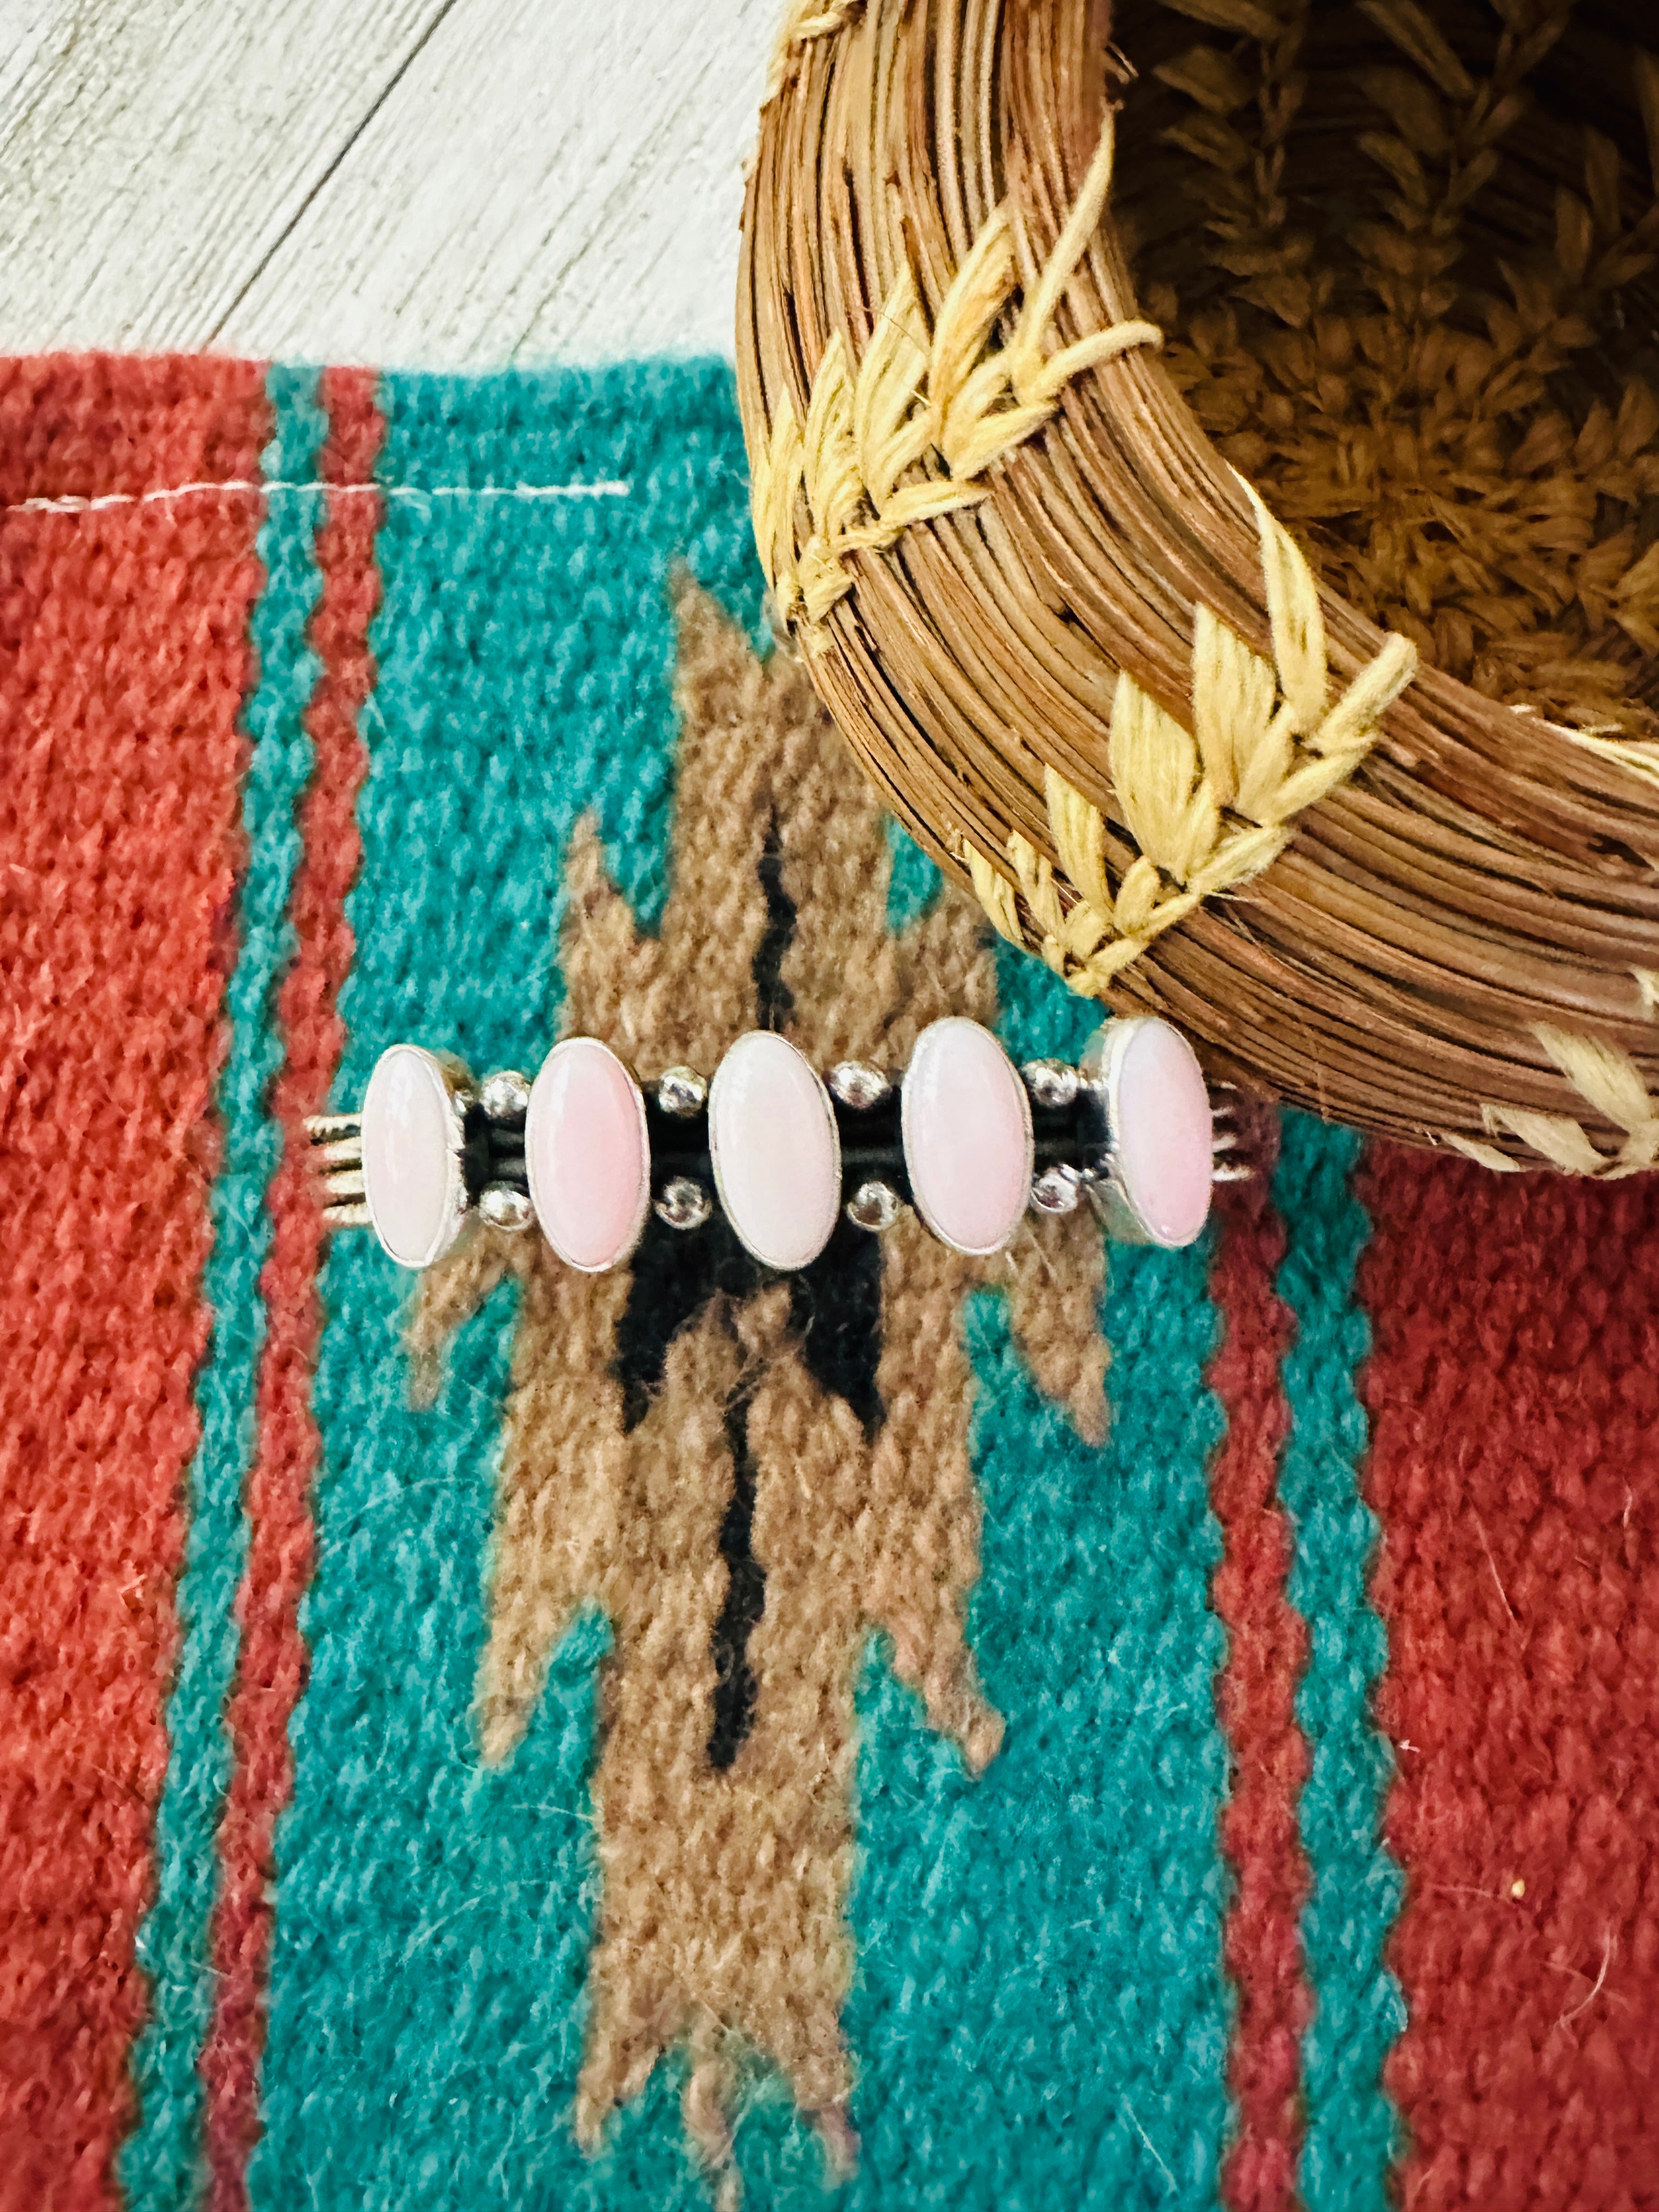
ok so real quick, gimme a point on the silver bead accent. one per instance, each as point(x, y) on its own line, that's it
point(504, 1096)
point(503, 1207)
point(1234, 1171)
point(857, 1084)
point(682, 1092)
point(1051, 1082)
point(875, 1206)
point(1057, 1190)
point(683, 1203)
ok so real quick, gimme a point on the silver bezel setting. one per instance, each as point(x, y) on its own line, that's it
point(827, 1107)
point(906, 1119)
point(1102, 1070)
point(642, 1194)
point(455, 1085)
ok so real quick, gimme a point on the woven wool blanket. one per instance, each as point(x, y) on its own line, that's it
point(1091, 1729)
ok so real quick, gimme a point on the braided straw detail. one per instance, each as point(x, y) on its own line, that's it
point(934, 400)
point(1639, 754)
point(1611, 1081)
point(804, 21)
point(1210, 808)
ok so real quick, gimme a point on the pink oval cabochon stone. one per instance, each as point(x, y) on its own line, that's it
point(1165, 1139)
point(587, 1155)
point(777, 1156)
point(967, 1125)
point(407, 1164)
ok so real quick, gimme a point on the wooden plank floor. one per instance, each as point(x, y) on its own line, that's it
point(427, 182)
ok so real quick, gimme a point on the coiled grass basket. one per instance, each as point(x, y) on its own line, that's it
point(1207, 453)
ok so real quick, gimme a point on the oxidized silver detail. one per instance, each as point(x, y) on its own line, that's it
point(336, 1149)
point(332, 1128)
point(336, 1146)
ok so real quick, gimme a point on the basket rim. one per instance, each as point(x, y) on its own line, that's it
point(1489, 776)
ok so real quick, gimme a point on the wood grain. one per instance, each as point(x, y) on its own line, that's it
point(152, 154)
point(428, 182)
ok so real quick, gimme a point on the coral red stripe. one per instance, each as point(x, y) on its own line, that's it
point(124, 660)
point(1266, 1649)
point(1514, 1390)
point(272, 1657)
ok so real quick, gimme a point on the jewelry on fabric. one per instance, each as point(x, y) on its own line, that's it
point(587, 1153)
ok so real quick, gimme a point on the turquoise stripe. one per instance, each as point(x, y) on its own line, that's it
point(1041, 2017)
point(1353, 2131)
point(429, 1956)
point(161, 2164)
point(915, 883)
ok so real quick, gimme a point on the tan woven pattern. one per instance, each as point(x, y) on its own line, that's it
point(721, 1919)
point(1403, 260)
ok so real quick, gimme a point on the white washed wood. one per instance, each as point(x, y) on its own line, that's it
point(547, 179)
point(554, 178)
point(151, 153)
